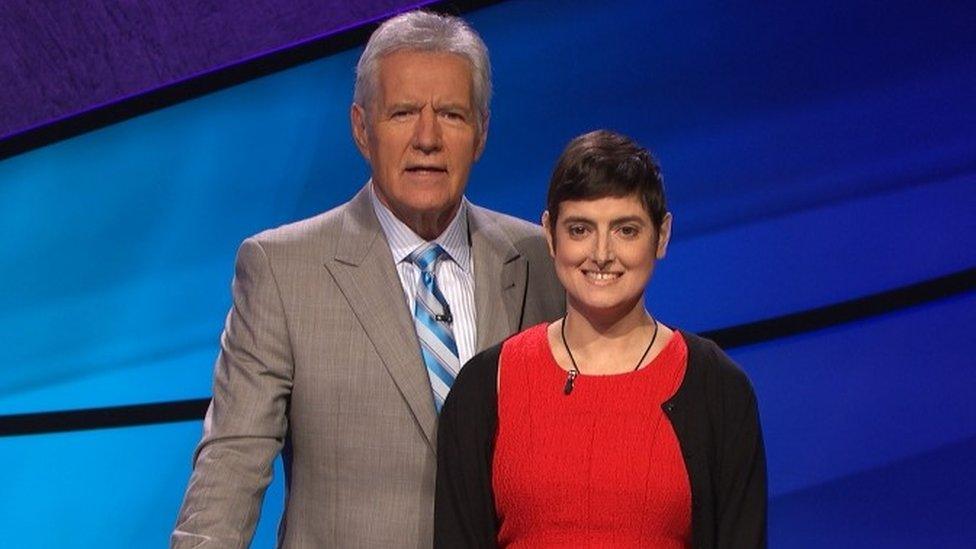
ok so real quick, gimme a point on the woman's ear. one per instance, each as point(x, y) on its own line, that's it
point(546, 228)
point(664, 236)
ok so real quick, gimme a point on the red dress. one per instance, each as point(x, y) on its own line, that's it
point(600, 467)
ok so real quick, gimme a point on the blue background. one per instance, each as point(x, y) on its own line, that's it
point(813, 152)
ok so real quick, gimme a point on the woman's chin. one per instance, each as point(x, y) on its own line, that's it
point(605, 309)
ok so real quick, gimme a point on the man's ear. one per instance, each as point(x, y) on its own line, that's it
point(664, 236)
point(357, 118)
point(546, 228)
point(482, 139)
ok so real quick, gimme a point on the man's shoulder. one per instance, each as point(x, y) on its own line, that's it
point(545, 298)
point(527, 237)
point(317, 231)
point(513, 226)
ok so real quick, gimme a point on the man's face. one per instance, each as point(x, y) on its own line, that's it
point(420, 134)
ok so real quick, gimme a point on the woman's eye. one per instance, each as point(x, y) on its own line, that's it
point(628, 231)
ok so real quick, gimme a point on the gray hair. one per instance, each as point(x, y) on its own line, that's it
point(428, 32)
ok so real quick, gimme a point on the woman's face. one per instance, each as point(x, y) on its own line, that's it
point(605, 250)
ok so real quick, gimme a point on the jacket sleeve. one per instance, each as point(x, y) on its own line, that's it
point(246, 423)
point(740, 498)
point(464, 509)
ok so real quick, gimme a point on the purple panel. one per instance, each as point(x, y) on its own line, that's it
point(61, 58)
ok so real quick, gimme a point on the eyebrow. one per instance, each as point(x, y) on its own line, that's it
point(401, 105)
point(453, 106)
point(617, 221)
point(417, 105)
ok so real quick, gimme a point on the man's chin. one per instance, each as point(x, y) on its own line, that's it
point(432, 207)
point(427, 218)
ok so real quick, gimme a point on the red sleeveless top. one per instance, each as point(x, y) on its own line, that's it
point(600, 467)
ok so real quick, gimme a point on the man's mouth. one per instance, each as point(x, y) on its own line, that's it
point(422, 169)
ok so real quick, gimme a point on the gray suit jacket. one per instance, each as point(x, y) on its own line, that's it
point(319, 360)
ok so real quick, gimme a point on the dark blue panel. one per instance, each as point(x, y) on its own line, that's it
point(848, 410)
point(861, 395)
point(817, 256)
point(754, 110)
point(922, 501)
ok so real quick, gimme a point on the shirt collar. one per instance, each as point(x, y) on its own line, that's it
point(403, 241)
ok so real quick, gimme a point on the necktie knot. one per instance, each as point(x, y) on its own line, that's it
point(426, 256)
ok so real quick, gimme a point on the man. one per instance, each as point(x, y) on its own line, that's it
point(348, 328)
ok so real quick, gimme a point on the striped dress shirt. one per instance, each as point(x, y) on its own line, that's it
point(455, 276)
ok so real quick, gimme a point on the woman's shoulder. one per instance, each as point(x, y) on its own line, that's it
point(473, 393)
point(477, 372)
point(482, 370)
point(531, 338)
point(713, 368)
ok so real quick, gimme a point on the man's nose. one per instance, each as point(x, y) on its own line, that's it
point(427, 132)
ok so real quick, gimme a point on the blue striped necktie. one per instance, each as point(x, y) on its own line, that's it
point(432, 319)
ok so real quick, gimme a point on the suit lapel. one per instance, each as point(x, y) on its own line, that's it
point(363, 269)
point(500, 273)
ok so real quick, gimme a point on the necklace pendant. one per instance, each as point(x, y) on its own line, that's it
point(570, 379)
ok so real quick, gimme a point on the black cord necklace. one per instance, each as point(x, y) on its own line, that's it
point(571, 375)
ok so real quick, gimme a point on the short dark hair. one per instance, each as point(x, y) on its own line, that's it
point(604, 164)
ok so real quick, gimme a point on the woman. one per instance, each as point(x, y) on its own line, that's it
point(606, 428)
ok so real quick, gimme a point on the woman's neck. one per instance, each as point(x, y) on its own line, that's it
point(605, 343)
point(589, 325)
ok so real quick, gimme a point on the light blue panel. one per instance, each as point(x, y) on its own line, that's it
point(121, 241)
point(145, 379)
point(266, 533)
point(105, 488)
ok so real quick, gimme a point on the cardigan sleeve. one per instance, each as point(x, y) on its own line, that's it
point(740, 498)
point(464, 508)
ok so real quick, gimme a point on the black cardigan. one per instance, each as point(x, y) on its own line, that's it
point(715, 418)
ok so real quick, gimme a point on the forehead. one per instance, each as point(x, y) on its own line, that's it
point(407, 75)
point(606, 208)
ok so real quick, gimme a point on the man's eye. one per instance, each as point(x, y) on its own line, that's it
point(401, 113)
point(577, 230)
point(453, 116)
